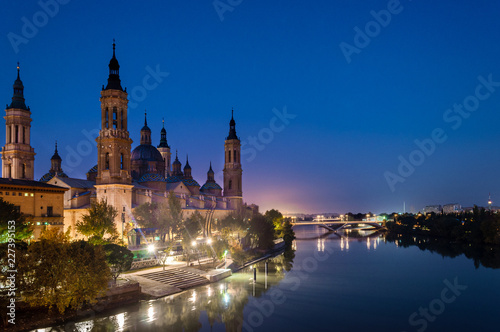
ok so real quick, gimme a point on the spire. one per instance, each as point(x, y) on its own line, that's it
point(187, 169)
point(56, 155)
point(232, 128)
point(114, 82)
point(145, 132)
point(176, 166)
point(18, 97)
point(187, 166)
point(163, 139)
point(55, 163)
point(210, 174)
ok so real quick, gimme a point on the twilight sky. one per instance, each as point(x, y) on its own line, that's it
point(341, 105)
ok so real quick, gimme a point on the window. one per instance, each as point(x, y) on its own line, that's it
point(7, 193)
point(19, 194)
point(106, 161)
point(17, 134)
point(121, 160)
point(32, 195)
point(230, 184)
point(107, 117)
point(229, 156)
point(115, 117)
point(26, 194)
point(23, 171)
point(1, 193)
point(24, 134)
point(50, 211)
point(121, 119)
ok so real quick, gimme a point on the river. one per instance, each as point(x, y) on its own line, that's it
point(333, 283)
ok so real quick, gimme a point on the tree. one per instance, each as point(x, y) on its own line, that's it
point(191, 228)
point(98, 225)
point(175, 211)
point(261, 231)
point(64, 274)
point(288, 233)
point(148, 215)
point(11, 216)
point(119, 259)
point(276, 218)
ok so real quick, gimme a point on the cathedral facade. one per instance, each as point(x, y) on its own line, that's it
point(123, 176)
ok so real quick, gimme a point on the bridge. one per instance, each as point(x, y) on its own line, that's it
point(330, 224)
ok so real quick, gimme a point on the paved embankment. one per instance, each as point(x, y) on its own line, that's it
point(160, 282)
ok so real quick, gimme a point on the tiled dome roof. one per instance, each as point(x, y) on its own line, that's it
point(210, 185)
point(152, 177)
point(93, 169)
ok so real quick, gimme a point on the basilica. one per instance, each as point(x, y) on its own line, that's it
point(123, 176)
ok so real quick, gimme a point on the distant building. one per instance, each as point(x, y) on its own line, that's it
point(452, 208)
point(433, 209)
point(41, 203)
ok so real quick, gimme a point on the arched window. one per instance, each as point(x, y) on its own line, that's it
point(230, 186)
point(17, 134)
point(229, 156)
point(115, 117)
point(106, 161)
point(121, 160)
point(107, 118)
point(24, 134)
point(23, 171)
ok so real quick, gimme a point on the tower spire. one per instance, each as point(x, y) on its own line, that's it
point(232, 127)
point(114, 82)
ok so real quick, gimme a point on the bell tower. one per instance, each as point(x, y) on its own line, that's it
point(18, 157)
point(232, 167)
point(114, 181)
point(113, 143)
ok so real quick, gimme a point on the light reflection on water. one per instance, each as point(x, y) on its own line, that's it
point(357, 280)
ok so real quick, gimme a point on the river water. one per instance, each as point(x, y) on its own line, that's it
point(359, 282)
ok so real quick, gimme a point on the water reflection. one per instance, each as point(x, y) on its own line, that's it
point(481, 255)
point(320, 283)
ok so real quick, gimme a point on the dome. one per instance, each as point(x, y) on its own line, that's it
point(210, 185)
point(93, 169)
point(48, 176)
point(146, 153)
point(152, 177)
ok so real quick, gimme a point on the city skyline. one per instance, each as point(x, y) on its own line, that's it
point(330, 118)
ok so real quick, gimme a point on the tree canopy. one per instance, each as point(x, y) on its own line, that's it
point(9, 212)
point(98, 225)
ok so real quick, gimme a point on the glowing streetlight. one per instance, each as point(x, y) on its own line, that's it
point(209, 240)
point(151, 248)
point(193, 243)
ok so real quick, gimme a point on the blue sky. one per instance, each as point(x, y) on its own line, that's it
point(348, 122)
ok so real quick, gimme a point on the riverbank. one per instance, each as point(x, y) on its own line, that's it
point(28, 318)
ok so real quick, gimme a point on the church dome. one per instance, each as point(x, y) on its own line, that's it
point(146, 153)
point(152, 177)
